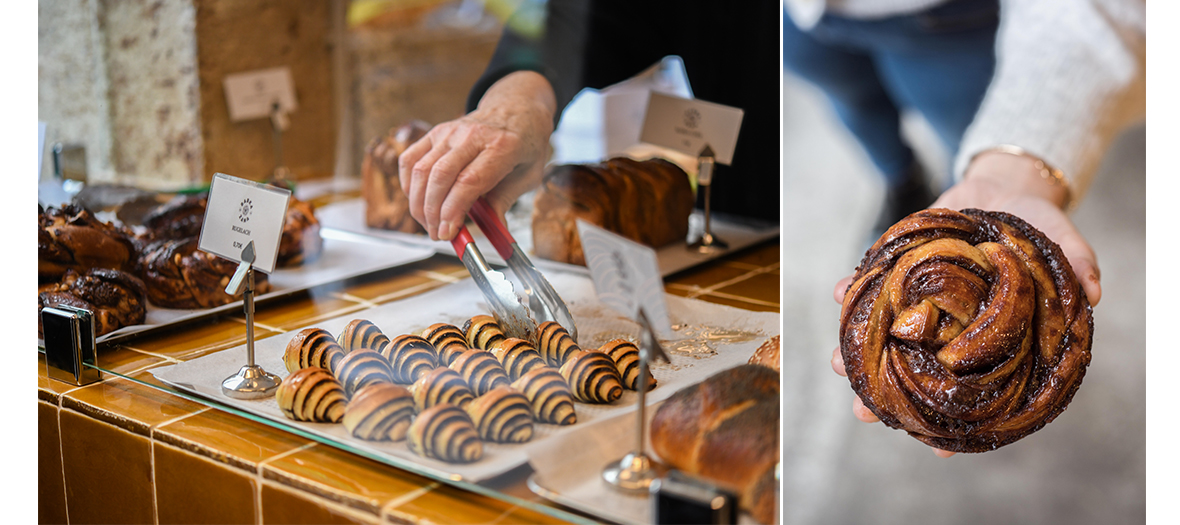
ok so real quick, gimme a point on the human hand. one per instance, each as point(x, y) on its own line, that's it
point(497, 151)
point(1013, 184)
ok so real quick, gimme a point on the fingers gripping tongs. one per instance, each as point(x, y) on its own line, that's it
point(543, 302)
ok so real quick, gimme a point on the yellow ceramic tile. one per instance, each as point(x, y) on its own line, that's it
point(304, 310)
point(228, 438)
point(342, 477)
point(707, 276)
point(400, 282)
point(49, 390)
point(51, 488)
point(760, 255)
point(738, 302)
point(123, 360)
point(108, 472)
point(447, 504)
point(193, 489)
point(190, 340)
point(287, 506)
point(128, 405)
point(763, 287)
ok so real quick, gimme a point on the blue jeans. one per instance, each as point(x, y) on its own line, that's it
point(938, 62)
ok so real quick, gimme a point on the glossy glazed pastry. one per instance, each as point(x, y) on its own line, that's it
point(386, 205)
point(447, 340)
point(481, 370)
point(179, 218)
point(179, 275)
point(555, 343)
point(362, 333)
point(362, 367)
point(71, 238)
point(445, 432)
point(441, 385)
point(725, 429)
point(502, 416)
point(482, 331)
point(626, 357)
point(592, 377)
point(517, 356)
point(967, 330)
point(311, 394)
point(312, 347)
point(549, 396)
point(410, 356)
point(115, 298)
point(379, 412)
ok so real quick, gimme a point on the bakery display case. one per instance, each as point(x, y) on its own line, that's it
point(386, 411)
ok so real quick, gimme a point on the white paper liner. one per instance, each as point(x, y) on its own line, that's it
point(455, 304)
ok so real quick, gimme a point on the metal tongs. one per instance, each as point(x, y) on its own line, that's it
point(543, 302)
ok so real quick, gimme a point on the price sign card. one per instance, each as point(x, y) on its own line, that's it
point(240, 211)
point(626, 276)
point(689, 125)
point(253, 94)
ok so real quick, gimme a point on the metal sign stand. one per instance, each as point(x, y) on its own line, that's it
point(708, 243)
point(634, 473)
point(251, 381)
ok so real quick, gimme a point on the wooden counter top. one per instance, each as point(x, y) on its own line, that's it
point(120, 451)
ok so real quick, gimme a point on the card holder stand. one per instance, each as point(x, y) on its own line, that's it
point(71, 354)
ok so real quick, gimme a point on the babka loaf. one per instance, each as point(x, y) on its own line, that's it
point(115, 298)
point(386, 205)
point(648, 202)
point(179, 275)
point(71, 238)
point(725, 428)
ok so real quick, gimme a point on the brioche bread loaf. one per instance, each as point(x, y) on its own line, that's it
point(386, 205)
point(725, 429)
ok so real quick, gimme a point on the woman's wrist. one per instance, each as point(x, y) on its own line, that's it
point(1013, 172)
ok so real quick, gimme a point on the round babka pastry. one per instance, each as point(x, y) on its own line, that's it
point(517, 356)
point(179, 275)
point(626, 357)
point(379, 412)
point(441, 385)
point(115, 298)
point(311, 394)
point(71, 238)
point(410, 356)
point(502, 416)
point(386, 205)
point(967, 330)
point(482, 331)
point(312, 347)
point(481, 370)
point(447, 340)
point(445, 432)
point(362, 367)
point(592, 377)
point(179, 218)
point(362, 333)
point(555, 343)
point(549, 396)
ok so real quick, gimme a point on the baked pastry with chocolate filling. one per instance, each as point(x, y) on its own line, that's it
point(178, 275)
point(72, 238)
point(115, 298)
point(386, 205)
point(968, 330)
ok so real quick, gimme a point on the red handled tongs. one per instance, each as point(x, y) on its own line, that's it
point(543, 302)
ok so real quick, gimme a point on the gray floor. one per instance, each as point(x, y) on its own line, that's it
point(1088, 466)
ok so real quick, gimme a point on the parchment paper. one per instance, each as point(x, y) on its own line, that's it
point(458, 302)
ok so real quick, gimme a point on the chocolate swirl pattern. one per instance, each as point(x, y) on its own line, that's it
point(482, 331)
point(481, 370)
point(312, 347)
point(362, 367)
point(311, 394)
point(441, 385)
point(967, 330)
point(626, 357)
point(409, 356)
point(517, 356)
point(555, 343)
point(502, 416)
point(445, 432)
point(379, 412)
point(448, 340)
point(362, 333)
point(592, 377)
point(549, 395)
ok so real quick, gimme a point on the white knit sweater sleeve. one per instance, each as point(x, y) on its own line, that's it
point(1070, 75)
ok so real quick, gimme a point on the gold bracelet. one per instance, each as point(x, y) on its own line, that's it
point(1048, 173)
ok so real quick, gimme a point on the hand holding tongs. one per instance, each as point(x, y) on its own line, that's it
point(543, 302)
